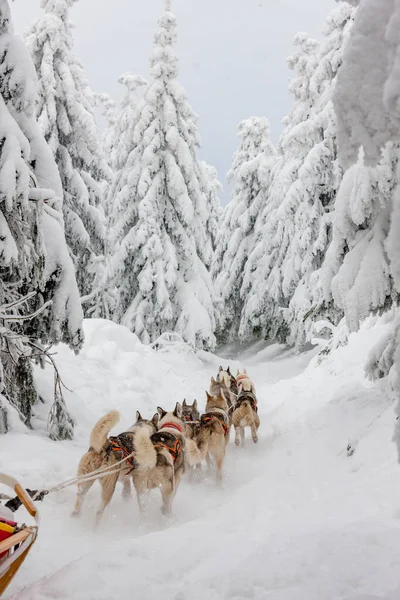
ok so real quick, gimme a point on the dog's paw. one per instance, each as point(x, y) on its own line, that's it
point(255, 439)
point(75, 515)
point(237, 443)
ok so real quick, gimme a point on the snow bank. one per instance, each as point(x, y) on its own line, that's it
point(296, 519)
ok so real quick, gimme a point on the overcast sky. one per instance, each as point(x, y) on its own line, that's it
point(232, 55)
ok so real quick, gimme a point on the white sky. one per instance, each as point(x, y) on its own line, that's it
point(232, 55)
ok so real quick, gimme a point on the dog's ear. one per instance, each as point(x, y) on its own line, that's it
point(156, 420)
point(177, 411)
point(244, 371)
point(229, 370)
point(208, 396)
point(194, 405)
point(184, 405)
point(138, 417)
point(220, 369)
point(161, 412)
point(213, 380)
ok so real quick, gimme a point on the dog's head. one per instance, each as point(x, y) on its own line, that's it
point(170, 417)
point(244, 382)
point(227, 379)
point(215, 386)
point(217, 400)
point(190, 411)
point(152, 423)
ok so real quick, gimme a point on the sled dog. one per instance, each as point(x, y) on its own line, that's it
point(103, 452)
point(244, 383)
point(245, 411)
point(225, 376)
point(167, 452)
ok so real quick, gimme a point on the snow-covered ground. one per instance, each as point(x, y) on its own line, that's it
point(296, 518)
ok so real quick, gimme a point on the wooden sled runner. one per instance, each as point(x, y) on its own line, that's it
point(15, 548)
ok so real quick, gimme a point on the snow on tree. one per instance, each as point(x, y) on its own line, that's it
point(160, 213)
point(250, 172)
point(367, 94)
point(262, 284)
point(284, 296)
point(357, 268)
point(37, 274)
point(213, 188)
point(66, 117)
point(318, 183)
point(367, 106)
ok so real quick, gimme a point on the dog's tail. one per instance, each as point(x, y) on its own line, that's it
point(195, 454)
point(98, 437)
point(145, 453)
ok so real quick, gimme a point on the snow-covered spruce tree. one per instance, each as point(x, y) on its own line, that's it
point(212, 190)
point(318, 183)
point(34, 260)
point(66, 117)
point(262, 283)
point(367, 95)
point(360, 232)
point(250, 175)
point(367, 106)
point(117, 144)
point(161, 213)
point(303, 193)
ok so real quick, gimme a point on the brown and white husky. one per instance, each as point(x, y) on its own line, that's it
point(245, 411)
point(167, 451)
point(231, 390)
point(102, 453)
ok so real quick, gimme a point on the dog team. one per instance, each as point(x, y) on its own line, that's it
point(157, 452)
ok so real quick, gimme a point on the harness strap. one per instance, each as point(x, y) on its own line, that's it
point(117, 446)
point(250, 397)
point(174, 450)
point(207, 418)
point(171, 425)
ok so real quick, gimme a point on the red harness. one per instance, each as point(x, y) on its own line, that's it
point(172, 426)
point(116, 446)
point(207, 418)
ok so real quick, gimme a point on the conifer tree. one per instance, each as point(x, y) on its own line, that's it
point(250, 175)
point(37, 276)
point(160, 213)
point(66, 117)
point(296, 226)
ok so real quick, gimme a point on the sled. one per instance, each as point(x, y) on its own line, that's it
point(16, 542)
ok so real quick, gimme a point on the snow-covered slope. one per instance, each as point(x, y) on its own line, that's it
point(296, 519)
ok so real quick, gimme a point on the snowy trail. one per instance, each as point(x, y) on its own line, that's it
point(296, 518)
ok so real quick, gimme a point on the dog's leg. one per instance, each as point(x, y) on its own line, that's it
point(107, 491)
point(242, 435)
point(126, 491)
point(237, 439)
point(83, 489)
point(219, 459)
point(208, 460)
point(167, 493)
point(254, 433)
point(140, 483)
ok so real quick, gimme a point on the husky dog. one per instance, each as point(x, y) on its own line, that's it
point(225, 376)
point(244, 383)
point(245, 411)
point(218, 387)
point(212, 435)
point(191, 418)
point(102, 453)
point(167, 452)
